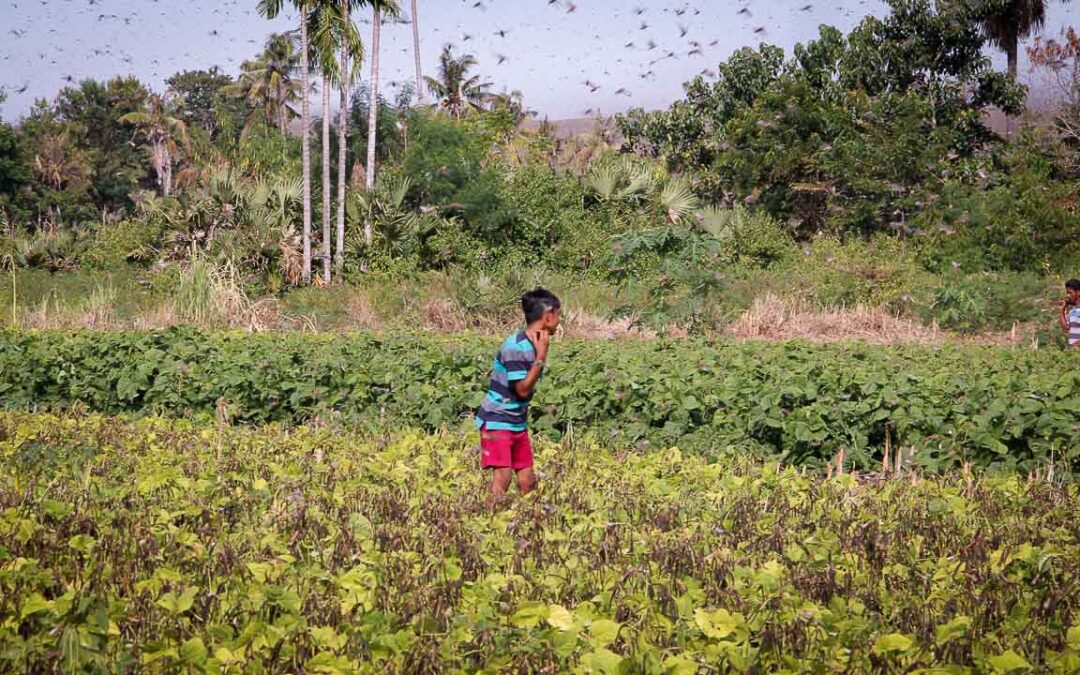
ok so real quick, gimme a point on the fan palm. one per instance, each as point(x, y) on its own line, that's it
point(163, 133)
point(271, 9)
point(454, 89)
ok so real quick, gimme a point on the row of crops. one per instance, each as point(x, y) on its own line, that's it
point(164, 545)
point(1014, 409)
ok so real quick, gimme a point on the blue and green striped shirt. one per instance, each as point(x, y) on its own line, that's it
point(502, 408)
point(1074, 326)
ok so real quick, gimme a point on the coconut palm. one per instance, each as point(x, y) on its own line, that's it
point(163, 134)
point(267, 86)
point(390, 9)
point(454, 90)
point(271, 9)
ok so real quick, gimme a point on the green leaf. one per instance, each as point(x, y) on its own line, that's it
point(560, 617)
point(529, 614)
point(893, 642)
point(679, 665)
point(82, 543)
point(602, 661)
point(1009, 662)
point(327, 662)
point(193, 651)
point(603, 632)
point(718, 624)
point(958, 627)
point(35, 603)
point(177, 604)
point(1072, 637)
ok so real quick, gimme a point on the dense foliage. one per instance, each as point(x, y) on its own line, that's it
point(802, 403)
point(167, 546)
point(864, 132)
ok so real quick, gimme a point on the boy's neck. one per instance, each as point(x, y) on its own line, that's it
point(534, 326)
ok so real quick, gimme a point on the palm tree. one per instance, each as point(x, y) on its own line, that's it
point(162, 132)
point(391, 10)
point(332, 29)
point(267, 86)
point(1006, 22)
point(454, 89)
point(270, 9)
point(416, 53)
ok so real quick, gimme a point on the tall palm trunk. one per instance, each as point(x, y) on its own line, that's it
point(326, 191)
point(416, 53)
point(1011, 52)
point(343, 123)
point(305, 142)
point(373, 111)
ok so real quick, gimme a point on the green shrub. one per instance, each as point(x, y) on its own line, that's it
point(876, 272)
point(128, 241)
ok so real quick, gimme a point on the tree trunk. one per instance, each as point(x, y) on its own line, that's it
point(343, 125)
point(305, 142)
point(373, 112)
point(1012, 55)
point(326, 192)
point(416, 53)
point(166, 171)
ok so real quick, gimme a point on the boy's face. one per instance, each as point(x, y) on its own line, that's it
point(551, 320)
point(1073, 296)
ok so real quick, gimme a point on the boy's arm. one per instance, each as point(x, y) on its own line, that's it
point(523, 388)
point(1064, 318)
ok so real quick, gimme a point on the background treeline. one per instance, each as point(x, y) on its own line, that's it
point(859, 169)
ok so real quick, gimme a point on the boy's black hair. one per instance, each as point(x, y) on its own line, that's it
point(1073, 284)
point(536, 302)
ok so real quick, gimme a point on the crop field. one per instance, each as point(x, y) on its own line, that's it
point(175, 546)
point(942, 408)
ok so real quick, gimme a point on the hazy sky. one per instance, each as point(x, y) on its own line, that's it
point(549, 51)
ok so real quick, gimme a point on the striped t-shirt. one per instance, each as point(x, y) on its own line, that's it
point(1074, 326)
point(502, 408)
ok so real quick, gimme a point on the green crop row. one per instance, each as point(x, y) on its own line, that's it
point(1012, 409)
point(168, 546)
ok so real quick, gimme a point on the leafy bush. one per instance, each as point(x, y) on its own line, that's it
point(991, 300)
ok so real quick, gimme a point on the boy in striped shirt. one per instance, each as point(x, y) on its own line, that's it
point(1070, 312)
point(502, 417)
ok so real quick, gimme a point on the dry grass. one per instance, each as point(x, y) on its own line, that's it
point(775, 318)
point(360, 311)
point(585, 326)
point(443, 316)
point(218, 301)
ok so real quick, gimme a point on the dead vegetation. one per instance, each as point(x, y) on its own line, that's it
point(218, 301)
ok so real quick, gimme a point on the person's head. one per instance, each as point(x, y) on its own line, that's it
point(1072, 291)
point(541, 309)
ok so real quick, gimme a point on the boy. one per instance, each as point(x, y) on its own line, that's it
point(1070, 312)
point(504, 441)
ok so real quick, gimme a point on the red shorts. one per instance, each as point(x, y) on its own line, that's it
point(502, 449)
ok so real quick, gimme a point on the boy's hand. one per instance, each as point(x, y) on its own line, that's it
point(539, 339)
point(1064, 304)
